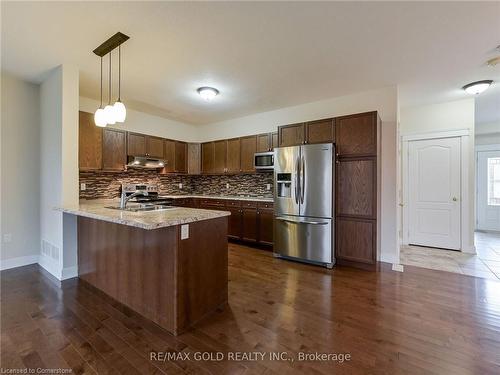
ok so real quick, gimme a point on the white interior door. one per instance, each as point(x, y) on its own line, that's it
point(488, 190)
point(434, 193)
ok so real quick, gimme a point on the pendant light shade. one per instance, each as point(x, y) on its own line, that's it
point(120, 111)
point(100, 118)
point(109, 114)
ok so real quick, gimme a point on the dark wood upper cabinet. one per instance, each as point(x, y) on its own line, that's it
point(114, 149)
point(194, 158)
point(207, 157)
point(233, 158)
point(274, 140)
point(248, 148)
point(356, 135)
point(180, 157)
point(357, 188)
point(321, 131)
point(220, 152)
point(169, 155)
point(154, 147)
point(136, 144)
point(356, 241)
point(291, 135)
point(263, 142)
point(89, 143)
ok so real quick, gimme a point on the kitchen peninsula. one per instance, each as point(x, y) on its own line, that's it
point(168, 265)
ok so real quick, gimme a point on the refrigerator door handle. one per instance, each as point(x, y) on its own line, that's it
point(303, 179)
point(301, 221)
point(297, 181)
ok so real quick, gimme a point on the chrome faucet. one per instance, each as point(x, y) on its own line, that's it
point(124, 199)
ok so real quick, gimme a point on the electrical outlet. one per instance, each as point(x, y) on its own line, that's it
point(184, 231)
point(180, 185)
point(83, 186)
point(268, 186)
point(7, 237)
point(227, 186)
point(397, 267)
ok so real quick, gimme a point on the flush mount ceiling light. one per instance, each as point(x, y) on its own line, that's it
point(478, 87)
point(116, 112)
point(208, 93)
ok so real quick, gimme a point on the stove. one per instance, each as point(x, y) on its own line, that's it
point(152, 197)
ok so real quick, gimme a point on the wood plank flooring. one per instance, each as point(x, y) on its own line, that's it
point(417, 322)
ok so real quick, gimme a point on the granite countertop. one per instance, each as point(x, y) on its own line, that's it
point(227, 197)
point(96, 209)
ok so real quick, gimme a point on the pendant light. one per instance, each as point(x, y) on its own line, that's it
point(99, 116)
point(108, 110)
point(119, 107)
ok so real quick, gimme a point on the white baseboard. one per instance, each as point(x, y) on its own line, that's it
point(69, 272)
point(6, 264)
point(50, 266)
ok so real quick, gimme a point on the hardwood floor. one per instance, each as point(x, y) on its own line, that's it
point(417, 322)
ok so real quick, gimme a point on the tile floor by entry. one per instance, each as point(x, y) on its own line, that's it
point(484, 264)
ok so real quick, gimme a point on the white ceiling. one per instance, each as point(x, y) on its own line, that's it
point(261, 56)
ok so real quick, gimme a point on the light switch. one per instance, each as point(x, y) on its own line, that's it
point(83, 186)
point(268, 186)
point(227, 186)
point(180, 185)
point(184, 231)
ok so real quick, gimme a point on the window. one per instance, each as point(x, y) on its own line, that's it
point(493, 181)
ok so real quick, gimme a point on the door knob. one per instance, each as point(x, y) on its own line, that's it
point(454, 199)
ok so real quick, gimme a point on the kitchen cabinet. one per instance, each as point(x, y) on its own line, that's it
point(180, 157)
point(320, 131)
point(356, 135)
point(207, 157)
point(154, 147)
point(265, 222)
point(233, 158)
point(291, 135)
point(235, 220)
point(267, 142)
point(194, 158)
point(89, 143)
point(114, 149)
point(274, 140)
point(220, 152)
point(169, 157)
point(248, 147)
point(249, 222)
point(356, 241)
point(136, 144)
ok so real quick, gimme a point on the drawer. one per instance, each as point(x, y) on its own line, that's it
point(269, 205)
point(233, 203)
point(212, 202)
point(249, 204)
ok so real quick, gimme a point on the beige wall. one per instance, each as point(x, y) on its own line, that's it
point(20, 117)
point(487, 133)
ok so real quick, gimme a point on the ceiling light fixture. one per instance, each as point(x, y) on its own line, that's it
point(478, 87)
point(208, 93)
point(117, 112)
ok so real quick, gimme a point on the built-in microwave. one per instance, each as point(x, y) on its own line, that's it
point(264, 160)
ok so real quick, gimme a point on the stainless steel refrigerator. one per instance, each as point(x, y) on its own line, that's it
point(303, 209)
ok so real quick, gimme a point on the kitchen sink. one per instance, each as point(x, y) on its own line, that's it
point(142, 208)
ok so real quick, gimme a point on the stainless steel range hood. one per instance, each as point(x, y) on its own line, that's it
point(145, 162)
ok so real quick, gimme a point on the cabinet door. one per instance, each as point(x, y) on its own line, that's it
point(89, 143)
point(274, 140)
point(169, 155)
point(249, 229)
point(114, 154)
point(321, 131)
point(234, 223)
point(136, 144)
point(356, 240)
point(263, 142)
point(154, 147)
point(356, 187)
point(194, 158)
point(220, 150)
point(356, 135)
point(248, 148)
point(207, 157)
point(233, 159)
point(180, 157)
point(291, 135)
point(265, 222)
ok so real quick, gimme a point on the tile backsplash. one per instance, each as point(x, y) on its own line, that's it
point(107, 184)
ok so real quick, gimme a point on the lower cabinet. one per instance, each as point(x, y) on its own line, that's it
point(356, 240)
point(265, 220)
point(249, 224)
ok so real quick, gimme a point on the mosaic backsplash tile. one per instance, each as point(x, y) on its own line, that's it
point(107, 184)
